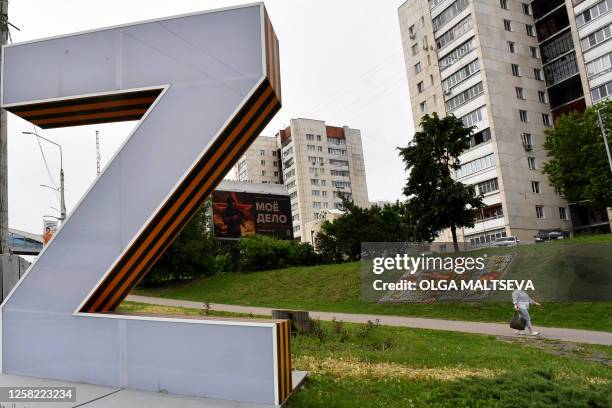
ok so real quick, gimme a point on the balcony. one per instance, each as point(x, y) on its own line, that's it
point(542, 7)
point(557, 46)
point(561, 69)
point(565, 92)
point(552, 24)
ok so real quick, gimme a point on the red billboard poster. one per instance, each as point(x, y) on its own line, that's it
point(239, 214)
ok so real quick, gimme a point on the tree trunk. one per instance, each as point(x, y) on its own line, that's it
point(454, 232)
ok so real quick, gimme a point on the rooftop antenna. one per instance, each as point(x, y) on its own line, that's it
point(98, 152)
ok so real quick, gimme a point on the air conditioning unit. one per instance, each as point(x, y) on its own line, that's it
point(527, 146)
point(425, 47)
point(412, 36)
point(447, 91)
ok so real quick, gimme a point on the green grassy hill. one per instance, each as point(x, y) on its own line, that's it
point(336, 288)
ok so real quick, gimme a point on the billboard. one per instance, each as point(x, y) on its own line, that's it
point(239, 214)
point(49, 229)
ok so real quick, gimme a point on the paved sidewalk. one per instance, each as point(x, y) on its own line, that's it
point(496, 329)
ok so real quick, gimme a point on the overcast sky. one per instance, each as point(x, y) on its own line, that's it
point(341, 61)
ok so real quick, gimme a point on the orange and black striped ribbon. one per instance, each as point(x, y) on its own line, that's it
point(283, 347)
point(89, 110)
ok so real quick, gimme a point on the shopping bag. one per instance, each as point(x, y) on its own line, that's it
point(518, 322)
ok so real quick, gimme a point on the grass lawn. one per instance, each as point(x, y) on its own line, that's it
point(337, 288)
point(356, 366)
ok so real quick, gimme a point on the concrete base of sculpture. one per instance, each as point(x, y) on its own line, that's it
point(95, 396)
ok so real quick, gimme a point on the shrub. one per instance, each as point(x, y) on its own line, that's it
point(258, 253)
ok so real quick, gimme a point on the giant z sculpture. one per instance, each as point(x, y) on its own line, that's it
point(202, 86)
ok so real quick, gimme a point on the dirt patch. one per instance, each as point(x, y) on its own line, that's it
point(560, 348)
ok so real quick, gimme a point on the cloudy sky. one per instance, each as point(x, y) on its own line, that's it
point(341, 61)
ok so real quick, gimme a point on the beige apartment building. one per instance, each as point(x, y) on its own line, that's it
point(260, 163)
point(482, 61)
point(317, 164)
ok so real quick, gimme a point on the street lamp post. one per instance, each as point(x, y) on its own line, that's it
point(62, 216)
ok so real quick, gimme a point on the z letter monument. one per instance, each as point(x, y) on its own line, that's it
point(202, 86)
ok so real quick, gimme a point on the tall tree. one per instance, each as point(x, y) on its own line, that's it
point(435, 200)
point(578, 167)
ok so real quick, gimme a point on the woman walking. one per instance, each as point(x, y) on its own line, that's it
point(521, 301)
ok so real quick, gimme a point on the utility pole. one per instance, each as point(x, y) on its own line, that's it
point(4, 248)
point(604, 133)
point(98, 152)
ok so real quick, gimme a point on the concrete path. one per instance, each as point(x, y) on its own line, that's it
point(496, 329)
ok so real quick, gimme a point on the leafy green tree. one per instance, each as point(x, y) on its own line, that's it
point(435, 200)
point(190, 255)
point(578, 167)
point(341, 239)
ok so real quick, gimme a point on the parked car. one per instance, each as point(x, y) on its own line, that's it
point(505, 242)
point(550, 235)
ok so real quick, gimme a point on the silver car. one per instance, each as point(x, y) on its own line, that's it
point(505, 242)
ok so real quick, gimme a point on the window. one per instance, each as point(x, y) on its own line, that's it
point(535, 187)
point(264, 173)
point(593, 12)
point(420, 87)
point(449, 13)
point(415, 49)
point(314, 182)
point(511, 47)
point(309, 137)
point(412, 31)
point(520, 93)
point(263, 162)
point(473, 117)
point(340, 152)
point(343, 173)
point(341, 184)
point(323, 193)
point(456, 54)
point(316, 204)
point(542, 97)
point(457, 31)
point(562, 213)
point(422, 21)
point(428, 59)
point(599, 65)
point(601, 91)
point(323, 183)
point(523, 116)
point(431, 79)
point(481, 137)
point(417, 68)
point(530, 30)
point(516, 70)
point(423, 107)
point(290, 185)
point(526, 139)
point(316, 192)
point(318, 138)
point(531, 163)
point(546, 120)
point(273, 153)
point(537, 74)
point(464, 97)
point(488, 186)
point(503, 4)
point(475, 166)
point(319, 148)
point(595, 38)
point(526, 8)
point(461, 75)
point(535, 52)
point(311, 148)
point(507, 25)
point(539, 211)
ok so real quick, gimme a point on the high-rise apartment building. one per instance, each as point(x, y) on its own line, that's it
point(318, 163)
point(260, 163)
point(485, 61)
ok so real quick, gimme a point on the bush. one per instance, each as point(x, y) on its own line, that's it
point(259, 253)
